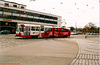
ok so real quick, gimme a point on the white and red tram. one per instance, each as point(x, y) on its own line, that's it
point(29, 30)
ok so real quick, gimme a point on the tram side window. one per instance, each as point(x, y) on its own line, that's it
point(65, 30)
point(56, 30)
point(46, 29)
point(37, 28)
point(62, 30)
point(50, 29)
point(33, 28)
point(42, 29)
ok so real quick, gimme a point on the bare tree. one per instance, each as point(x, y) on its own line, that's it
point(90, 27)
point(72, 28)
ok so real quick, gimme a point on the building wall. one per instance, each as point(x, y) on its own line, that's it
point(2, 4)
point(59, 21)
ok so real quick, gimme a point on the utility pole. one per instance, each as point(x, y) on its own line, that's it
point(75, 26)
point(64, 23)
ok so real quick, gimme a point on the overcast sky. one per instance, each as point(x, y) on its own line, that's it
point(74, 12)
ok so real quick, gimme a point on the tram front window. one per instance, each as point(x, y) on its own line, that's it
point(17, 29)
point(20, 29)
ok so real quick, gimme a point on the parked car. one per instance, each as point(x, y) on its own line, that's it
point(79, 33)
point(95, 34)
point(74, 33)
point(4, 32)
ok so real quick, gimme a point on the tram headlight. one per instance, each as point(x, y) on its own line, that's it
point(22, 33)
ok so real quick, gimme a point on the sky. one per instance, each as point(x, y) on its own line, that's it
point(76, 13)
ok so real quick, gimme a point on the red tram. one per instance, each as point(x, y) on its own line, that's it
point(29, 30)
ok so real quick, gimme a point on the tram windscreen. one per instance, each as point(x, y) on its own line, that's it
point(19, 28)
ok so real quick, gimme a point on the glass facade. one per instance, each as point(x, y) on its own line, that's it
point(26, 16)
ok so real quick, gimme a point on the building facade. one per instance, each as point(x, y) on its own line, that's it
point(12, 13)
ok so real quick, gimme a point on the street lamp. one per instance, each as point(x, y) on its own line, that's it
point(63, 21)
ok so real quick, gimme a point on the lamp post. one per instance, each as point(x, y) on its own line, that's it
point(75, 26)
point(63, 21)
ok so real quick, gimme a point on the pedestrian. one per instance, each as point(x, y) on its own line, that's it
point(85, 36)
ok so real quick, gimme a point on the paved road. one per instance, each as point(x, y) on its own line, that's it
point(37, 51)
point(50, 52)
point(89, 53)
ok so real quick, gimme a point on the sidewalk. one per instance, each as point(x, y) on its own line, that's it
point(89, 52)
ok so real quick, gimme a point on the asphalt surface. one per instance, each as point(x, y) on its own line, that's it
point(57, 51)
point(76, 50)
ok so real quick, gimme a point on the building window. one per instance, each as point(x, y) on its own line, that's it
point(6, 4)
point(36, 15)
point(28, 13)
point(22, 7)
point(14, 5)
point(1, 9)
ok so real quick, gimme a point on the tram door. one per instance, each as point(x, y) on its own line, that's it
point(27, 31)
point(42, 30)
